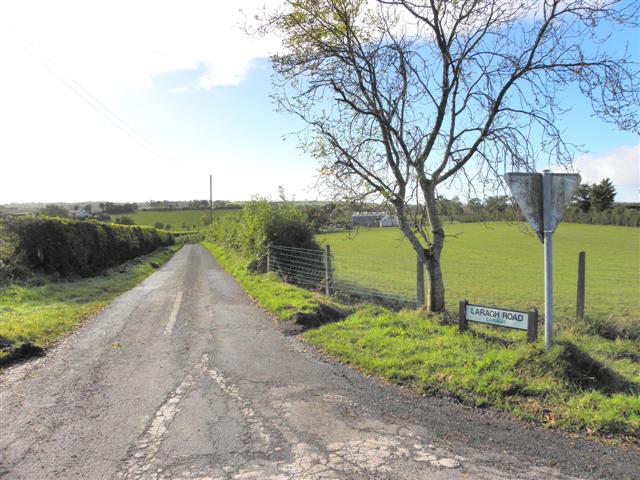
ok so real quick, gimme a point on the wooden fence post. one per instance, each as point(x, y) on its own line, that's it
point(532, 326)
point(462, 319)
point(327, 269)
point(268, 258)
point(419, 281)
point(581, 286)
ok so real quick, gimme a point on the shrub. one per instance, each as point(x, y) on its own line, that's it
point(159, 225)
point(189, 238)
point(53, 210)
point(124, 220)
point(8, 254)
point(265, 223)
point(82, 248)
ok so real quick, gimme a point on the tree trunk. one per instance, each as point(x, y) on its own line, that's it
point(430, 256)
point(434, 268)
point(436, 285)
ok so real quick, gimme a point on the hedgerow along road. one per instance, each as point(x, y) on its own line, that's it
point(184, 377)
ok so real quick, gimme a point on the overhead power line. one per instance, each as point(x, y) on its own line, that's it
point(90, 99)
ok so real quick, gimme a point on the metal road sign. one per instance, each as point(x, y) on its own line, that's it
point(497, 316)
point(543, 198)
point(527, 190)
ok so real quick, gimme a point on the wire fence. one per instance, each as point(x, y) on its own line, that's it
point(299, 265)
point(392, 280)
point(350, 277)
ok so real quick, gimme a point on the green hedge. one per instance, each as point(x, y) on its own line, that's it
point(262, 223)
point(71, 247)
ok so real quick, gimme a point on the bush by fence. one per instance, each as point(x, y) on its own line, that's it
point(263, 223)
point(82, 248)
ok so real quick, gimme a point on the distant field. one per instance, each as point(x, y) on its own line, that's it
point(178, 219)
point(501, 264)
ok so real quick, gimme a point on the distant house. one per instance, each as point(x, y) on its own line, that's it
point(374, 219)
point(81, 214)
point(389, 221)
point(367, 219)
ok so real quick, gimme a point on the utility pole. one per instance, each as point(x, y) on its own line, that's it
point(210, 199)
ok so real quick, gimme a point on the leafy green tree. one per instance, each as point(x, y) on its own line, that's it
point(497, 204)
point(475, 204)
point(582, 198)
point(109, 207)
point(53, 210)
point(451, 207)
point(402, 97)
point(603, 195)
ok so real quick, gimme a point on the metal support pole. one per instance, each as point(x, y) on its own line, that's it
point(548, 259)
point(462, 316)
point(419, 282)
point(327, 269)
point(581, 287)
point(532, 326)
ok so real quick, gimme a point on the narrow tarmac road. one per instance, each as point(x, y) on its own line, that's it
point(184, 377)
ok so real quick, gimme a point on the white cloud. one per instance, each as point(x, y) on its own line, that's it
point(118, 45)
point(621, 165)
point(54, 147)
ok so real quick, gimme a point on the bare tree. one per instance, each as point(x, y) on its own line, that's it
point(402, 96)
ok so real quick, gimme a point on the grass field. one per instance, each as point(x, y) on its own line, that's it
point(501, 264)
point(178, 219)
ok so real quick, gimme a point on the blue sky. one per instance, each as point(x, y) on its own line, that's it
point(194, 87)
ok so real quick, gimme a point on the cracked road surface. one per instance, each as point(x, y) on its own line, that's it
point(183, 377)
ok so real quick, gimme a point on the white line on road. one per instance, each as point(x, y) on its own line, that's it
point(174, 314)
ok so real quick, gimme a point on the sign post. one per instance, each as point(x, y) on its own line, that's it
point(548, 258)
point(543, 198)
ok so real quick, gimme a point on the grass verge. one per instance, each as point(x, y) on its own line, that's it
point(583, 384)
point(41, 314)
point(285, 302)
